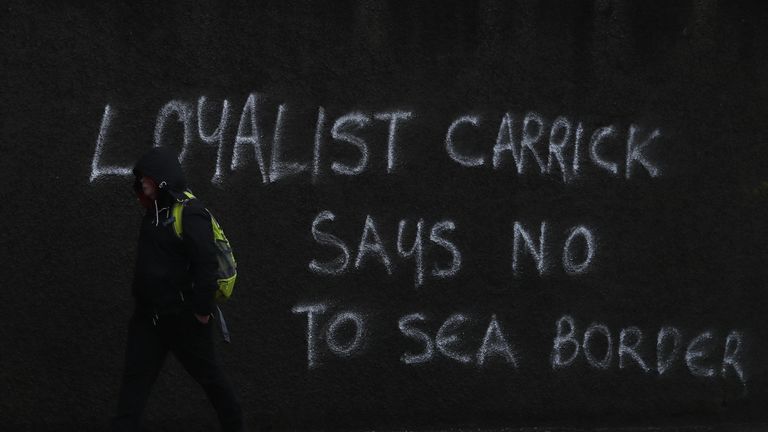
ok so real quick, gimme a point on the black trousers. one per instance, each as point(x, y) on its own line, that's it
point(192, 344)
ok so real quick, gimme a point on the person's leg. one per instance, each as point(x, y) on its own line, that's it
point(195, 350)
point(144, 356)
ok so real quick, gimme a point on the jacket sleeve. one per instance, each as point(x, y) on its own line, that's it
point(201, 250)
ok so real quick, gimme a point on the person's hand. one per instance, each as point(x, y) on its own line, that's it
point(203, 318)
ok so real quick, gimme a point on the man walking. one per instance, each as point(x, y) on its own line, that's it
point(174, 286)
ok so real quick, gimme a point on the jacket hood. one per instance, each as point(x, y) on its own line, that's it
point(162, 165)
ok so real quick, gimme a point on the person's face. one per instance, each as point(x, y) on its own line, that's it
point(149, 188)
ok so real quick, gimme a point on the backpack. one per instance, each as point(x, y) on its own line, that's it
point(227, 271)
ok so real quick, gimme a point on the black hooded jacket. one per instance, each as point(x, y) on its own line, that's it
point(170, 272)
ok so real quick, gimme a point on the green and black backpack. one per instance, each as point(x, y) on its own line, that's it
point(227, 270)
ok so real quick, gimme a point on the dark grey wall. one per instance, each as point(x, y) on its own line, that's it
point(678, 238)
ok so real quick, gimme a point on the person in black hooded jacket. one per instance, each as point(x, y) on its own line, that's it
point(174, 286)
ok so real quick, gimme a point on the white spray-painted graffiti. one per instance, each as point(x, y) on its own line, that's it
point(447, 341)
point(528, 144)
point(537, 146)
point(249, 141)
point(97, 170)
point(598, 345)
point(551, 144)
point(331, 337)
point(216, 137)
point(372, 248)
point(701, 356)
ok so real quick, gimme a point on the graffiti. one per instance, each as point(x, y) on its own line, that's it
point(450, 146)
point(702, 354)
point(96, 169)
point(332, 337)
point(342, 131)
point(628, 350)
point(529, 144)
point(597, 346)
point(335, 343)
point(538, 146)
point(495, 345)
point(578, 251)
point(249, 136)
point(524, 244)
point(395, 118)
point(279, 168)
point(570, 263)
point(185, 115)
point(404, 324)
point(534, 144)
point(373, 248)
point(250, 142)
point(446, 342)
point(216, 137)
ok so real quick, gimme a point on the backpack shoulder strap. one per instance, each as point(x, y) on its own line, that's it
point(178, 210)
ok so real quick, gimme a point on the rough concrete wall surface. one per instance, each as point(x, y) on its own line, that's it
point(445, 215)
